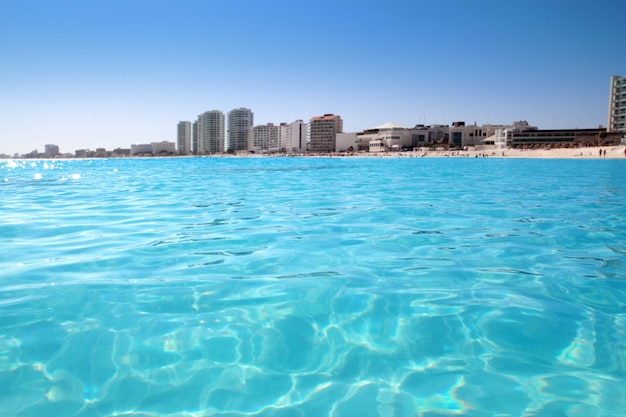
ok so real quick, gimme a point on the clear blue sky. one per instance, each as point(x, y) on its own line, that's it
point(96, 73)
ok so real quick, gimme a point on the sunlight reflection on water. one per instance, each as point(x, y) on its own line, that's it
point(306, 287)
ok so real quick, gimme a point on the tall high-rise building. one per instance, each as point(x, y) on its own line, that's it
point(240, 122)
point(194, 137)
point(183, 138)
point(51, 150)
point(211, 136)
point(323, 133)
point(617, 105)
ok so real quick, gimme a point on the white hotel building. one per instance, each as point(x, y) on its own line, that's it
point(240, 121)
point(211, 137)
point(294, 137)
point(617, 105)
point(183, 138)
point(285, 138)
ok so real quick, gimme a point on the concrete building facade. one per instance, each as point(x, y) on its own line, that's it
point(394, 137)
point(211, 132)
point(347, 142)
point(183, 138)
point(240, 121)
point(141, 149)
point(51, 150)
point(563, 137)
point(323, 133)
point(462, 136)
point(163, 148)
point(384, 137)
point(617, 105)
point(294, 137)
point(194, 137)
point(264, 138)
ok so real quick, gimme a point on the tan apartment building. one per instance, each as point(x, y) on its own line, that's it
point(323, 133)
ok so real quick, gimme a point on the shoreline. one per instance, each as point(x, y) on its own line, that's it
point(608, 152)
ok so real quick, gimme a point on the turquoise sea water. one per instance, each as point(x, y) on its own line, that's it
point(282, 287)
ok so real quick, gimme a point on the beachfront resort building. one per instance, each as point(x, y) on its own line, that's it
point(323, 133)
point(537, 138)
point(475, 135)
point(284, 138)
point(389, 136)
point(140, 149)
point(211, 137)
point(240, 121)
point(194, 137)
point(163, 148)
point(183, 138)
point(264, 138)
point(293, 137)
point(394, 137)
point(346, 142)
point(51, 151)
point(617, 105)
point(152, 149)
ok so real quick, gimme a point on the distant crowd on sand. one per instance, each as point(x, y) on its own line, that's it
point(608, 152)
point(604, 152)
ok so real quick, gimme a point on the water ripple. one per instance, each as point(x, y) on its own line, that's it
point(225, 286)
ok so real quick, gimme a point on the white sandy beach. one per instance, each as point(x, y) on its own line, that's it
point(608, 152)
point(612, 152)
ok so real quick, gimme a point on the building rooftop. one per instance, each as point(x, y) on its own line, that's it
point(325, 117)
point(388, 126)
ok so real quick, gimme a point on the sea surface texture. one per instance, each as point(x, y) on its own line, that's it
point(289, 287)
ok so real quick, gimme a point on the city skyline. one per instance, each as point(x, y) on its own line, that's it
point(210, 134)
point(89, 75)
